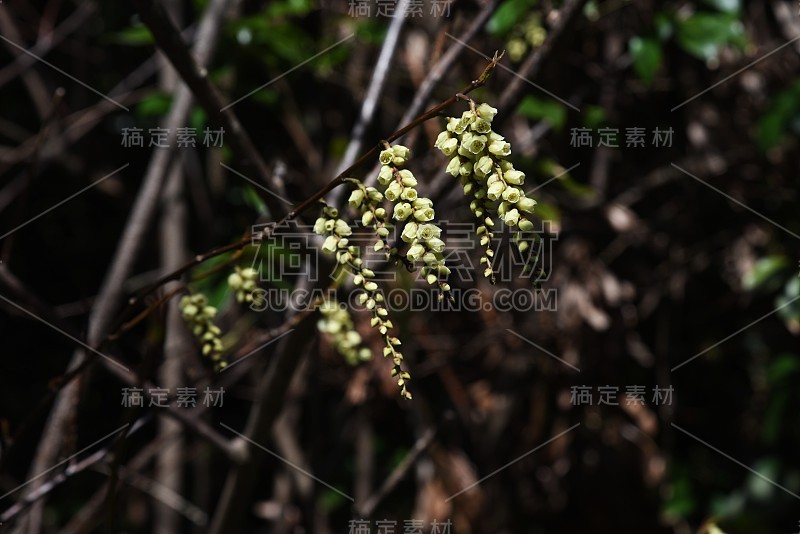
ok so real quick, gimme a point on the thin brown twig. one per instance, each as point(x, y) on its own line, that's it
point(71, 470)
point(33, 167)
point(366, 509)
point(533, 63)
point(46, 43)
point(111, 291)
point(168, 38)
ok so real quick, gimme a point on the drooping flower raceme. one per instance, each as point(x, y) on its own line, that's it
point(372, 298)
point(336, 232)
point(243, 282)
point(368, 201)
point(478, 158)
point(199, 316)
point(420, 232)
point(337, 323)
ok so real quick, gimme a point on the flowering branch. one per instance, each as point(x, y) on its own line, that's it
point(336, 182)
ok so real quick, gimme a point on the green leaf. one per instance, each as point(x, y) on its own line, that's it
point(704, 34)
point(549, 169)
point(156, 104)
point(680, 501)
point(370, 31)
point(198, 119)
point(288, 8)
point(772, 420)
point(594, 117)
point(547, 110)
point(547, 212)
point(137, 35)
point(647, 56)
point(331, 500)
point(252, 198)
point(783, 112)
point(783, 366)
point(765, 273)
point(509, 14)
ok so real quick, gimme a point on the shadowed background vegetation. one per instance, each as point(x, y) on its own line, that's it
point(681, 251)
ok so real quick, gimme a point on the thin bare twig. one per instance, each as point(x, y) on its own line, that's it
point(376, 85)
point(33, 169)
point(37, 88)
point(177, 345)
point(47, 42)
point(532, 65)
point(366, 509)
point(127, 251)
point(71, 470)
point(442, 67)
point(170, 43)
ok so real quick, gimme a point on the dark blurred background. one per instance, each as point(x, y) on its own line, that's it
point(672, 267)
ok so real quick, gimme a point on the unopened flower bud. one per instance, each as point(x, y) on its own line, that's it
point(341, 228)
point(435, 244)
point(512, 217)
point(526, 204)
point(235, 281)
point(500, 148)
point(423, 202)
point(443, 136)
point(486, 112)
point(415, 252)
point(514, 177)
point(407, 178)
point(329, 246)
point(356, 198)
point(385, 175)
point(410, 232)
point(319, 226)
point(454, 167)
point(401, 151)
point(483, 166)
point(525, 225)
